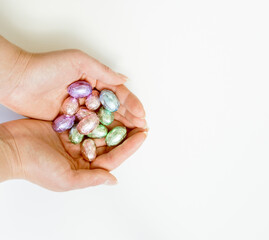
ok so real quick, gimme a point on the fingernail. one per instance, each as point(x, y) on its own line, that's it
point(110, 182)
point(123, 76)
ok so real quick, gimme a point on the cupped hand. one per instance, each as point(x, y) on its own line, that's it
point(50, 160)
point(38, 85)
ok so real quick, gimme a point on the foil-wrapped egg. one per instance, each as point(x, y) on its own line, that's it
point(109, 100)
point(63, 123)
point(79, 89)
point(82, 113)
point(93, 102)
point(99, 132)
point(74, 136)
point(88, 124)
point(88, 149)
point(106, 117)
point(116, 136)
point(70, 106)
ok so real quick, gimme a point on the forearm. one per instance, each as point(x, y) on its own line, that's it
point(8, 155)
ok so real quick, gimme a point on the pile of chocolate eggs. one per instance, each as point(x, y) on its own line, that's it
point(89, 122)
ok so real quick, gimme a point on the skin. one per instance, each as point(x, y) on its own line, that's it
point(34, 85)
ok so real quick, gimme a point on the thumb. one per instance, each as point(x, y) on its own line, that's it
point(96, 70)
point(83, 178)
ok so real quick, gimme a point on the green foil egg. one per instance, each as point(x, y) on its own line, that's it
point(99, 132)
point(74, 136)
point(116, 136)
point(106, 117)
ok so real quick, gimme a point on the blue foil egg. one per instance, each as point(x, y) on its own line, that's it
point(109, 100)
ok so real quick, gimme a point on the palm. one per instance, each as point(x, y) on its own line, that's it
point(41, 89)
point(50, 160)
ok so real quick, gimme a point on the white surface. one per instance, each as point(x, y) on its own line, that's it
point(201, 70)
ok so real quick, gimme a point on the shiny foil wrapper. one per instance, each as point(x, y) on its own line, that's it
point(88, 124)
point(88, 149)
point(63, 123)
point(79, 89)
point(70, 106)
point(93, 102)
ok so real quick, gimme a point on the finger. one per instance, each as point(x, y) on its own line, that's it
point(105, 149)
point(130, 101)
point(82, 101)
point(101, 150)
point(137, 130)
point(126, 98)
point(99, 142)
point(115, 123)
point(122, 119)
point(94, 69)
point(136, 121)
point(116, 156)
point(83, 178)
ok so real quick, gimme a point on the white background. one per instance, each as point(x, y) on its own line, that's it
point(201, 70)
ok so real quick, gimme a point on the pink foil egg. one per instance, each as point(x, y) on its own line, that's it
point(82, 113)
point(70, 106)
point(93, 102)
point(63, 123)
point(88, 124)
point(88, 149)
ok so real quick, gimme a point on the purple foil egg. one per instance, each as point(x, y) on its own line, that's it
point(63, 123)
point(88, 124)
point(93, 102)
point(79, 89)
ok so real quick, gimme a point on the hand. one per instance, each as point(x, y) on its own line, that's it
point(36, 85)
point(50, 160)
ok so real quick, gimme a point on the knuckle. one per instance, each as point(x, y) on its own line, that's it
point(106, 69)
point(75, 51)
point(66, 183)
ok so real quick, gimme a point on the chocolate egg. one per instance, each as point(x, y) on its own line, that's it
point(116, 136)
point(74, 136)
point(106, 117)
point(82, 113)
point(63, 123)
point(79, 89)
point(109, 100)
point(88, 124)
point(93, 102)
point(88, 149)
point(99, 132)
point(70, 106)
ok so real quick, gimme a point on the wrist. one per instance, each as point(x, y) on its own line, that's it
point(13, 62)
point(9, 157)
